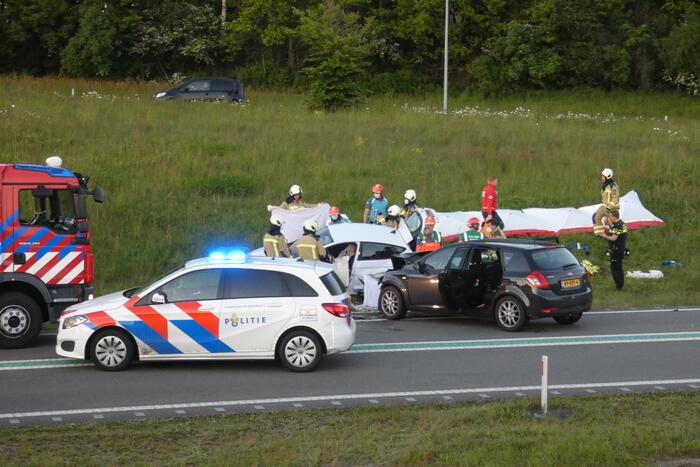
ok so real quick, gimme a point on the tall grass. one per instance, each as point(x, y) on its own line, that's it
point(182, 177)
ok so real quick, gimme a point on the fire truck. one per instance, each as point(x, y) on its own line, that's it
point(46, 263)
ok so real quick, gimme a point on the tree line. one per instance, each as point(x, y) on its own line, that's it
point(497, 46)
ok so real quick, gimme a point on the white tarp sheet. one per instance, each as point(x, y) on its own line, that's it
point(549, 221)
point(293, 226)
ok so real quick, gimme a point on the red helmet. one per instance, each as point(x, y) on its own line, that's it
point(334, 211)
point(377, 188)
point(473, 221)
point(430, 221)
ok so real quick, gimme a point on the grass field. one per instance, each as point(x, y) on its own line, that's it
point(602, 431)
point(182, 178)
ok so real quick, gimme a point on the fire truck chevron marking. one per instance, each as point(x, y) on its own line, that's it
point(36, 238)
point(74, 274)
point(49, 246)
point(76, 262)
point(39, 262)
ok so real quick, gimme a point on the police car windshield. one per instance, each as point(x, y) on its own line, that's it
point(137, 290)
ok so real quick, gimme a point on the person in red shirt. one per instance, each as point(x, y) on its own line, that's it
point(489, 202)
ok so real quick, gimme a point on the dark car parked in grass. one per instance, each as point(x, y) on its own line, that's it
point(510, 280)
point(221, 89)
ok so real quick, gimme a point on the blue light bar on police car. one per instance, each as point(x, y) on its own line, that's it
point(235, 255)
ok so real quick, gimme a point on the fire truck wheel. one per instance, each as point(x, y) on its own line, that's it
point(20, 320)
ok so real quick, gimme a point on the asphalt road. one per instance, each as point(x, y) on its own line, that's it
point(418, 359)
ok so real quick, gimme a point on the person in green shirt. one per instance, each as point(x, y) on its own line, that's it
point(429, 239)
point(472, 232)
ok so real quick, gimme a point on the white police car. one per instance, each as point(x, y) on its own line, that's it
point(227, 306)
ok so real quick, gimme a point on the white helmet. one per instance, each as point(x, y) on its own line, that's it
point(410, 195)
point(295, 190)
point(607, 173)
point(394, 210)
point(277, 220)
point(54, 161)
point(311, 225)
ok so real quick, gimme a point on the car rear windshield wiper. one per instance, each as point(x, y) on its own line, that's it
point(570, 265)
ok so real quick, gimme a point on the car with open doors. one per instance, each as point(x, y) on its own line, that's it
point(512, 281)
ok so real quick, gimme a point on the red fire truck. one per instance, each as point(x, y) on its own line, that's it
point(46, 262)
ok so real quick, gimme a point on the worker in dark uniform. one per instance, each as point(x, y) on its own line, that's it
point(617, 238)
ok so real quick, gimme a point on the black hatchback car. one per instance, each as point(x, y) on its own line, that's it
point(510, 280)
point(202, 89)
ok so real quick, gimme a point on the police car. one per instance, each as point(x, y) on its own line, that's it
point(226, 306)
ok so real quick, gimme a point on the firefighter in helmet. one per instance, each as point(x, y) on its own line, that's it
point(409, 203)
point(309, 247)
point(610, 197)
point(294, 200)
point(274, 242)
point(392, 218)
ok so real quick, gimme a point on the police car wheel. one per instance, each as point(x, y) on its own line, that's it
point(112, 350)
point(510, 314)
point(300, 351)
point(391, 304)
point(20, 320)
point(571, 318)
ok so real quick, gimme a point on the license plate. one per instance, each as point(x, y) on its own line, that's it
point(567, 284)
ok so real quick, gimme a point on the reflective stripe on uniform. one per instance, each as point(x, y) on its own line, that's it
point(273, 242)
point(312, 248)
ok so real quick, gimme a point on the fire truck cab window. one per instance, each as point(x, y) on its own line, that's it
point(50, 208)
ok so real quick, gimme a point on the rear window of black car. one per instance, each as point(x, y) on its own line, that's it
point(515, 261)
point(553, 258)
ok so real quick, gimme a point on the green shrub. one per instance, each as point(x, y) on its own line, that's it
point(339, 46)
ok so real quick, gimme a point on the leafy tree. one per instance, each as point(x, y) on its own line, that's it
point(33, 33)
point(681, 52)
point(521, 57)
point(175, 35)
point(339, 45)
point(90, 51)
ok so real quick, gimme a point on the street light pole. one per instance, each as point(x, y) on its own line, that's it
point(444, 83)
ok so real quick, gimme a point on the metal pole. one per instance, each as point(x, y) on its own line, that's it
point(544, 370)
point(444, 84)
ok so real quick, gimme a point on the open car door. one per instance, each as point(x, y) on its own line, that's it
point(458, 281)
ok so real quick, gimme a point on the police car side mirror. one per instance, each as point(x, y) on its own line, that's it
point(158, 298)
point(422, 268)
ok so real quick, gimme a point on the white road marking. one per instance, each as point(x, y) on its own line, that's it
point(660, 388)
point(98, 417)
point(520, 394)
point(297, 405)
point(259, 407)
point(625, 389)
point(180, 412)
point(139, 414)
point(220, 409)
point(339, 397)
point(448, 398)
point(591, 391)
point(588, 313)
point(57, 419)
point(411, 399)
point(694, 386)
point(14, 421)
point(336, 403)
point(556, 393)
point(484, 396)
